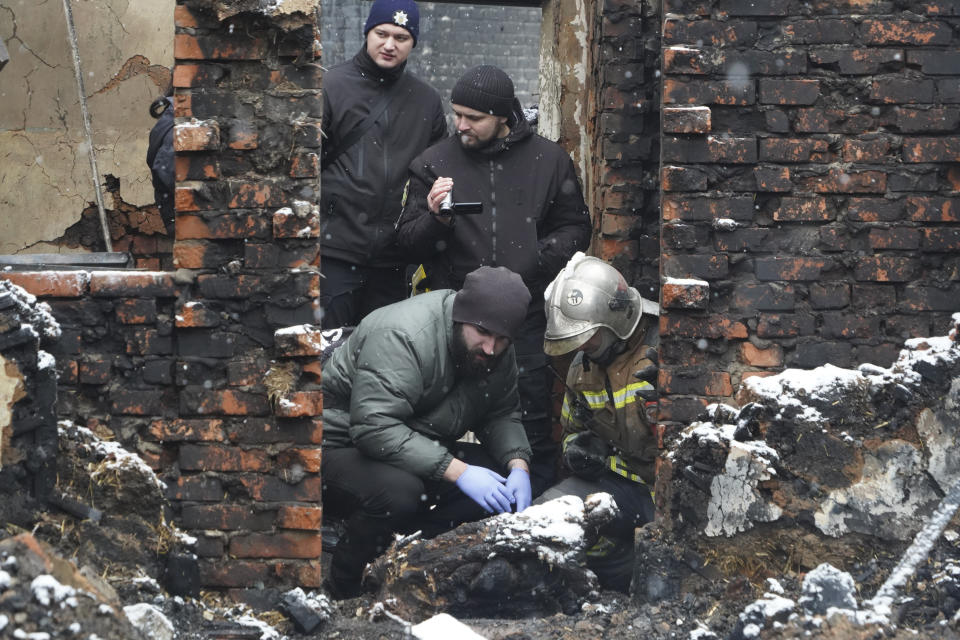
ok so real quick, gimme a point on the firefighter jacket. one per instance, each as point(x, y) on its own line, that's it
point(392, 392)
point(616, 410)
point(533, 220)
point(362, 188)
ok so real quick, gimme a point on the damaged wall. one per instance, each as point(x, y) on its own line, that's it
point(125, 49)
point(809, 177)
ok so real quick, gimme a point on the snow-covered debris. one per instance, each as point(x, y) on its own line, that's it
point(48, 591)
point(443, 627)
point(826, 587)
point(150, 621)
point(308, 611)
point(34, 316)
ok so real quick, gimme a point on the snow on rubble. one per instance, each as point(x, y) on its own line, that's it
point(865, 450)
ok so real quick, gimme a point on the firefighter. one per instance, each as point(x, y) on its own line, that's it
point(609, 443)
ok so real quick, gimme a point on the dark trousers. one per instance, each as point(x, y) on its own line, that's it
point(349, 291)
point(377, 499)
point(533, 386)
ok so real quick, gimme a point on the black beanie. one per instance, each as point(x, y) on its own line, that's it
point(494, 298)
point(402, 13)
point(484, 88)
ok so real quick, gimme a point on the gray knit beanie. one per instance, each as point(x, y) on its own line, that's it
point(494, 298)
point(484, 88)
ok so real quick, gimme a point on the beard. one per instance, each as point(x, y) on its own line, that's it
point(474, 143)
point(471, 363)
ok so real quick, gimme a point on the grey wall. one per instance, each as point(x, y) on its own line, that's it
point(453, 38)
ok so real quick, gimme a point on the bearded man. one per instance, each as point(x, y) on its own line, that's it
point(399, 394)
point(533, 220)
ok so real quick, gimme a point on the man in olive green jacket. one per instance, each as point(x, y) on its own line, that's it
point(407, 384)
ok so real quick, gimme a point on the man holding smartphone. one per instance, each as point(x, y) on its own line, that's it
point(532, 219)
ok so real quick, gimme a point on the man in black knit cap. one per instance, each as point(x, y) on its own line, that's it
point(533, 220)
point(399, 394)
point(376, 118)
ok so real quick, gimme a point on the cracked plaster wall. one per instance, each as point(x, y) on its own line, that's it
point(126, 50)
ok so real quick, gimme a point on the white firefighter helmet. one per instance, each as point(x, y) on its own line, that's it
point(586, 295)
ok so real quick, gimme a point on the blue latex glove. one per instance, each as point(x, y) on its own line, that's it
point(486, 488)
point(518, 484)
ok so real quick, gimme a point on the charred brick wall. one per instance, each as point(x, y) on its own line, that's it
point(809, 177)
point(626, 55)
point(184, 366)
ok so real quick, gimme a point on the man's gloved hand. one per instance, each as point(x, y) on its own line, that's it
point(580, 409)
point(485, 487)
point(586, 455)
point(518, 484)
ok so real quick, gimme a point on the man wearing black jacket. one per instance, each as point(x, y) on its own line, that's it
point(533, 220)
point(376, 118)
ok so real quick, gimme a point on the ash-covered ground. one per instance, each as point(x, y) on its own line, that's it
point(825, 506)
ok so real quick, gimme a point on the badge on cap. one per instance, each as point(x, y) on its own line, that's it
point(400, 18)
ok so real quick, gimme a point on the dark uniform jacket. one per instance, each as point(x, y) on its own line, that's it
point(617, 410)
point(391, 391)
point(534, 217)
point(362, 190)
point(160, 161)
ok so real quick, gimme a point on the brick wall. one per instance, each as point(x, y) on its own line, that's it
point(809, 172)
point(453, 38)
point(186, 367)
point(626, 201)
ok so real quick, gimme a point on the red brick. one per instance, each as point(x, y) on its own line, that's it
point(222, 227)
point(946, 149)
point(886, 32)
point(793, 150)
point(902, 91)
point(703, 266)
point(731, 93)
point(195, 457)
point(682, 179)
point(182, 105)
point(819, 31)
point(710, 327)
point(886, 269)
point(195, 313)
point(146, 342)
point(132, 285)
point(680, 408)
point(707, 209)
point(763, 297)
point(136, 311)
point(710, 32)
point(941, 239)
point(803, 210)
point(137, 402)
point(227, 402)
point(308, 575)
point(314, 370)
point(150, 264)
point(299, 404)
point(839, 181)
point(789, 92)
point(183, 17)
point(945, 119)
point(811, 120)
point(790, 268)
point(187, 167)
point(846, 326)
point(248, 195)
point(785, 325)
point(708, 383)
point(291, 544)
point(686, 119)
point(287, 224)
point(611, 248)
point(895, 238)
point(306, 459)
point(297, 517)
point(225, 517)
point(196, 136)
point(865, 150)
point(50, 284)
point(242, 135)
point(94, 369)
point(190, 430)
point(618, 226)
point(685, 294)
point(773, 179)
point(195, 489)
point(756, 357)
point(874, 210)
point(933, 209)
point(305, 165)
point(236, 573)
point(684, 60)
